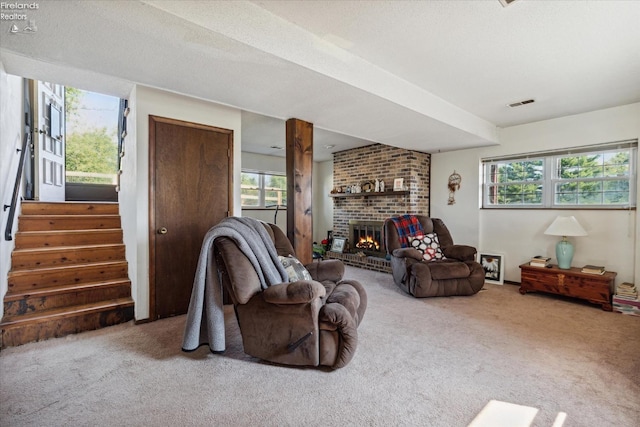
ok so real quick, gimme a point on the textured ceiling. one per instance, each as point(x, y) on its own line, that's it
point(423, 75)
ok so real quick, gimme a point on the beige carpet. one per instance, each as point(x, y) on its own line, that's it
point(428, 362)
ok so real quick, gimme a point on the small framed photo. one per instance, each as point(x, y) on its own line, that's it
point(493, 265)
point(338, 244)
point(398, 184)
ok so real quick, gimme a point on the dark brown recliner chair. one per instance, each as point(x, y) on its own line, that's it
point(458, 274)
point(306, 322)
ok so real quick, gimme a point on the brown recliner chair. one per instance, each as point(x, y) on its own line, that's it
point(458, 274)
point(305, 322)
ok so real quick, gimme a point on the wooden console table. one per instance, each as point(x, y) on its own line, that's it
point(594, 288)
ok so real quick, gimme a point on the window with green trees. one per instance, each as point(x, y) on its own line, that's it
point(263, 189)
point(588, 178)
point(91, 137)
point(516, 183)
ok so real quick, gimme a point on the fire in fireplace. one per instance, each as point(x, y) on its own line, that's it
point(366, 236)
point(368, 243)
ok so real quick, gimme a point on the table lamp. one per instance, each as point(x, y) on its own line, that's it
point(565, 226)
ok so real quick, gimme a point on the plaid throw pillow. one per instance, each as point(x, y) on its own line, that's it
point(407, 225)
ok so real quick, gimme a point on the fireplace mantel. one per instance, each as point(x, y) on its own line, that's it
point(371, 194)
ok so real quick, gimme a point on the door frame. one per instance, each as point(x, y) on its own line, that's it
point(152, 191)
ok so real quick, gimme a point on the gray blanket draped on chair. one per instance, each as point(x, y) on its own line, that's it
point(205, 318)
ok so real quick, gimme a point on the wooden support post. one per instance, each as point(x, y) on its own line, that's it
point(299, 195)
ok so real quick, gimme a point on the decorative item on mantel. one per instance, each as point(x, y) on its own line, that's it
point(368, 186)
point(454, 184)
point(565, 226)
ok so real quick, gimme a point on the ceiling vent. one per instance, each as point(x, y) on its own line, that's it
point(506, 3)
point(517, 104)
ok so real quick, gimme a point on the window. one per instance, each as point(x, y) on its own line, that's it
point(91, 137)
point(589, 177)
point(263, 189)
point(515, 183)
point(593, 179)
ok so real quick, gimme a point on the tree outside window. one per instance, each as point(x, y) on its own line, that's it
point(516, 183)
point(250, 189)
point(275, 187)
point(599, 178)
point(263, 190)
point(91, 137)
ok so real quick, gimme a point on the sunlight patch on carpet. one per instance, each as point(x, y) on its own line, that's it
point(504, 414)
point(559, 421)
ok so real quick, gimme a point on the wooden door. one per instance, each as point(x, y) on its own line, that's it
point(49, 141)
point(190, 191)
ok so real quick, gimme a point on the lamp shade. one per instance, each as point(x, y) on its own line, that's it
point(565, 226)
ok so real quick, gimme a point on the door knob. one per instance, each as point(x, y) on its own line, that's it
point(162, 230)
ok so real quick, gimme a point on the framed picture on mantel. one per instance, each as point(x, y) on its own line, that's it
point(398, 184)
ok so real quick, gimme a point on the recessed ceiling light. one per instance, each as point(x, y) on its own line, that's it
point(519, 103)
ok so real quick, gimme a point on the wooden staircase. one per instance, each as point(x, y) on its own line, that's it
point(68, 272)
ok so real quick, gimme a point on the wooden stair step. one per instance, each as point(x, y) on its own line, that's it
point(67, 222)
point(30, 258)
point(59, 322)
point(14, 296)
point(40, 239)
point(24, 280)
point(61, 312)
point(19, 303)
point(69, 272)
point(68, 208)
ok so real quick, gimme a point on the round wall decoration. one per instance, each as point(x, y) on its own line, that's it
point(454, 184)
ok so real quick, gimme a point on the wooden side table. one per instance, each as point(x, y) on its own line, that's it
point(595, 288)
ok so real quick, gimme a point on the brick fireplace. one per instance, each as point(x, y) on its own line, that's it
point(383, 162)
point(369, 163)
point(366, 237)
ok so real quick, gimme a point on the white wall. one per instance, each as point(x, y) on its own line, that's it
point(613, 238)
point(322, 203)
point(133, 197)
point(10, 140)
point(261, 162)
